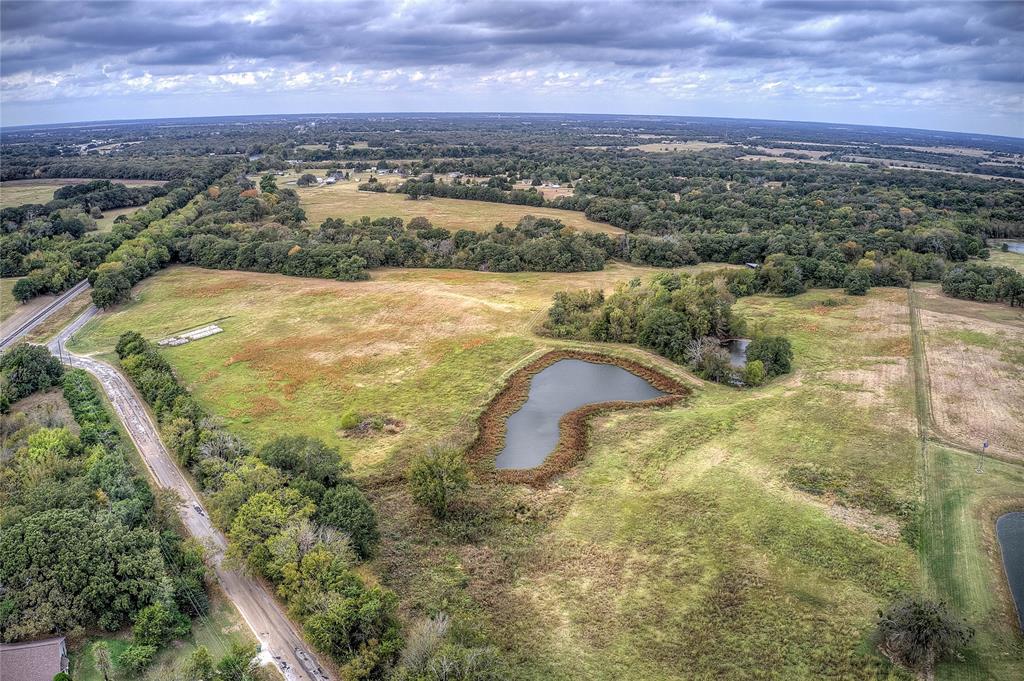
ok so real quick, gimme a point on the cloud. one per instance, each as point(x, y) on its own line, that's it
point(796, 51)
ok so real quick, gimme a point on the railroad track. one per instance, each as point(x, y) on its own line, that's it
point(11, 337)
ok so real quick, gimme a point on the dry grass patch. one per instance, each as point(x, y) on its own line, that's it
point(975, 369)
point(670, 147)
point(344, 200)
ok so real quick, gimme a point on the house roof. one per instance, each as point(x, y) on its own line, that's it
point(33, 660)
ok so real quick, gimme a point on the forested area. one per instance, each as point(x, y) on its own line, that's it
point(683, 318)
point(85, 543)
point(54, 246)
point(812, 225)
point(979, 281)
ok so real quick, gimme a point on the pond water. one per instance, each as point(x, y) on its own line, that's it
point(1013, 245)
point(737, 348)
point(568, 384)
point(1010, 531)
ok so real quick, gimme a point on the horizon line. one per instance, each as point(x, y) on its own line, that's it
point(357, 114)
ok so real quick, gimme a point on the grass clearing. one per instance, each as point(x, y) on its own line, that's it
point(975, 367)
point(1007, 259)
point(680, 542)
point(961, 556)
point(671, 147)
point(19, 192)
point(344, 200)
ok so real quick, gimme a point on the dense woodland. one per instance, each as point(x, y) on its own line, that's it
point(813, 225)
point(85, 545)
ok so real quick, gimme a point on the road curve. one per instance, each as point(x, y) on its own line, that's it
point(271, 626)
point(11, 336)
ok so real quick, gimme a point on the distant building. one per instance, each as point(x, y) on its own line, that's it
point(33, 660)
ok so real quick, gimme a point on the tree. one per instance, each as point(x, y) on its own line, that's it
point(27, 369)
point(240, 664)
point(774, 352)
point(919, 633)
point(347, 509)
point(754, 373)
point(101, 658)
point(199, 665)
point(304, 181)
point(304, 456)
point(158, 624)
point(268, 184)
point(136, 657)
point(437, 477)
point(857, 282)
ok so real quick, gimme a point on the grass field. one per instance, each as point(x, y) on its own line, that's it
point(343, 200)
point(7, 302)
point(1008, 259)
point(19, 192)
point(685, 544)
point(975, 354)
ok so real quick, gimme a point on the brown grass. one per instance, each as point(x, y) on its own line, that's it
point(344, 200)
point(572, 441)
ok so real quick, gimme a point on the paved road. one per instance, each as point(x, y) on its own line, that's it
point(262, 613)
point(11, 336)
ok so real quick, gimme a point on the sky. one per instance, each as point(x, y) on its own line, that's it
point(936, 65)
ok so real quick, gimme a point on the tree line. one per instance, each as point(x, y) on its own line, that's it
point(54, 250)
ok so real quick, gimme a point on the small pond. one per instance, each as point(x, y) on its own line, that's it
point(568, 384)
point(1010, 531)
point(737, 348)
point(1012, 245)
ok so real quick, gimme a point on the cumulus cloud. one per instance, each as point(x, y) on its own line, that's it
point(790, 56)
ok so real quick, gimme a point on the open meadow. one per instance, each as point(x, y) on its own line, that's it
point(344, 200)
point(741, 529)
point(19, 192)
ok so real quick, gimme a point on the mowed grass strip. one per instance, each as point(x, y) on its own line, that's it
point(344, 200)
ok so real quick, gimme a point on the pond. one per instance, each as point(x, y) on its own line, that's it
point(1010, 531)
point(1012, 245)
point(568, 384)
point(737, 348)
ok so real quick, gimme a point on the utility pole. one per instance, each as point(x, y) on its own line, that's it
point(981, 458)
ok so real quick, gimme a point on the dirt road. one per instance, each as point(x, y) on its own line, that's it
point(280, 640)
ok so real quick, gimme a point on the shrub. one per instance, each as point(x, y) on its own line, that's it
point(437, 478)
point(754, 373)
point(857, 282)
point(917, 634)
point(350, 419)
point(136, 657)
point(774, 352)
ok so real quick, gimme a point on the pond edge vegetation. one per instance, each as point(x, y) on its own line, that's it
point(573, 426)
